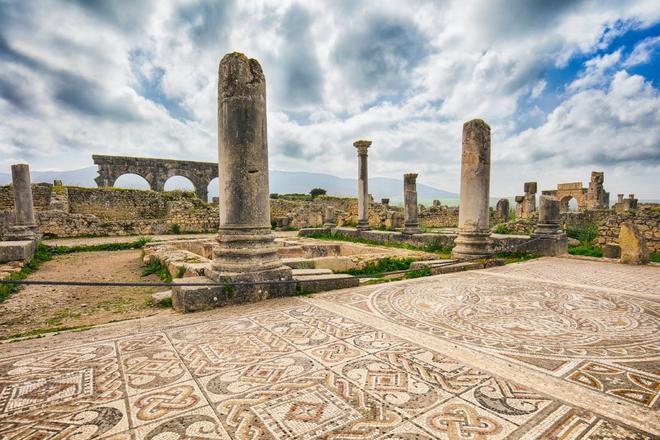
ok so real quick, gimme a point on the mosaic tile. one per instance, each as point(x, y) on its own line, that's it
point(165, 402)
point(638, 388)
point(268, 372)
point(150, 369)
point(404, 391)
point(374, 341)
point(335, 353)
point(458, 419)
point(198, 424)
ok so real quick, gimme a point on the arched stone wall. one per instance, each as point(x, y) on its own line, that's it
point(155, 171)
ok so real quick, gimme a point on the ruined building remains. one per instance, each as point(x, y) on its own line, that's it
point(526, 204)
point(593, 197)
point(473, 217)
point(155, 171)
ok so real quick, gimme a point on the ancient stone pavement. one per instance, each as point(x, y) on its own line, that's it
point(552, 348)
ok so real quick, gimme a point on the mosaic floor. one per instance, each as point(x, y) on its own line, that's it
point(548, 349)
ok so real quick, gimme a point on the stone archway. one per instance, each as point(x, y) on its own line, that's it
point(155, 171)
point(569, 203)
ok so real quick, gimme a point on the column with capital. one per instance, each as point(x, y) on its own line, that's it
point(363, 189)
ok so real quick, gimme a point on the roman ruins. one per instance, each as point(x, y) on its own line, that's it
point(363, 184)
point(502, 210)
point(21, 235)
point(410, 223)
point(551, 238)
point(155, 171)
point(593, 197)
point(329, 217)
point(473, 229)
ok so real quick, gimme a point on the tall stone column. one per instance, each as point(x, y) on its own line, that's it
point(473, 232)
point(363, 185)
point(244, 235)
point(25, 226)
point(410, 223)
point(502, 210)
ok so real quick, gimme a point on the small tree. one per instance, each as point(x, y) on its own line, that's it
point(315, 192)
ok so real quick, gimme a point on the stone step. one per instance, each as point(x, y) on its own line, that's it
point(323, 283)
point(303, 272)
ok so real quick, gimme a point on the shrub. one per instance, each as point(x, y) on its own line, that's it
point(175, 229)
point(315, 192)
point(584, 233)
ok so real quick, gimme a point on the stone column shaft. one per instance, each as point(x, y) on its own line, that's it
point(363, 184)
point(244, 235)
point(473, 229)
point(410, 222)
point(329, 221)
point(25, 226)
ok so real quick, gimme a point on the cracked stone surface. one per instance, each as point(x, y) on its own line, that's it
point(551, 348)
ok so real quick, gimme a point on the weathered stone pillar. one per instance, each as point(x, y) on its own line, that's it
point(502, 210)
point(330, 217)
point(363, 185)
point(529, 201)
point(385, 202)
point(549, 239)
point(619, 198)
point(519, 206)
point(633, 244)
point(244, 234)
point(410, 223)
point(473, 238)
point(25, 226)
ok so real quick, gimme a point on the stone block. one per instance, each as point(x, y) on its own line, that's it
point(633, 245)
point(611, 250)
point(16, 250)
point(325, 282)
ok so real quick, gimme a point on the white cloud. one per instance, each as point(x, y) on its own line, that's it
point(72, 78)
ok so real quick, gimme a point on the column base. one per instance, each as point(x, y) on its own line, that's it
point(245, 250)
point(472, 244)
point(363, 226)
point(22, 233)
point(272, 283)
point(411, 229)
point(549, 245)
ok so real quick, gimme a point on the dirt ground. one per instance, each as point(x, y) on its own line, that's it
point(40, 309)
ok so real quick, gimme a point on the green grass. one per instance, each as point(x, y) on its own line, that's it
point(61, 250)
point(39, 332)
point(585, 234)
point(157, 268)
point(417, 273)
point(501, 229)
point(386, 264)
point(175, 229)
point(40, 255)
point(588, 250)
point(655, 257)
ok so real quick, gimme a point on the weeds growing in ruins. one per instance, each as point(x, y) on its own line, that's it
point(175, 229)
point(155, 267)
point(586, 235)
point(655, 257)
point(62, 250)
point(417, 273)
point(385, 264)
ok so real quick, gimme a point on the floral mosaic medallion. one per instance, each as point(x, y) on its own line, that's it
point(510, 316)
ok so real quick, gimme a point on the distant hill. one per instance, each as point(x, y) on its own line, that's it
point(280, 182)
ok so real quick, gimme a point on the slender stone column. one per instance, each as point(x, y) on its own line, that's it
point(473, 233)
point(410, 223)
point(244, 234)
point(25, 227)
point(363, 188)
point(329, 217)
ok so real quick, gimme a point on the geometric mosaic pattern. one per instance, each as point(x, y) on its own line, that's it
point(299, 369)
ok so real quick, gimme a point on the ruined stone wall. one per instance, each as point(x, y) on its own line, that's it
point(648, 221)
point(310, 213)
point(41, 194)
point(110, 204)
point(439, 216)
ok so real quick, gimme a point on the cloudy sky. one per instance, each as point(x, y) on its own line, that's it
point(567, 86)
